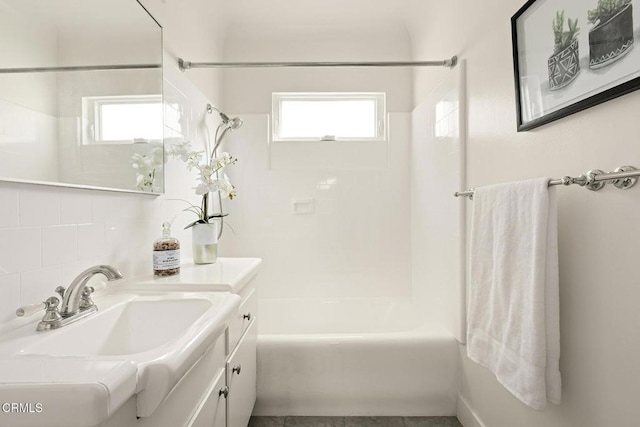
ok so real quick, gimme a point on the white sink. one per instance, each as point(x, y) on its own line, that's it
point(162, 334)
point(132, 327)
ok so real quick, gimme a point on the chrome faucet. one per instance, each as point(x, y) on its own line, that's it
point(76, 300)
point(71, 296)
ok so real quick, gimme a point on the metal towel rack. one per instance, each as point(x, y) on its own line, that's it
point(623, 178)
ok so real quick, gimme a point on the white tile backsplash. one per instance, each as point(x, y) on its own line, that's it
point(75, 207)
point(115, 207)
point(9, 214)
point(10, 301)
point(91, 241)
point(39, 206)
point(21, 250)
point(38, 285)
point(59, 245)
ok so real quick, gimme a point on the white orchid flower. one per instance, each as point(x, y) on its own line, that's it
point(206, 171)
point(209, 180)
point(223, 160)
point(224, 186)
point(201, 189)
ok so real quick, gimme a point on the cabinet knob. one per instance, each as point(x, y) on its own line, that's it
point(224, 392)
point(237, 369)
point(247, 316)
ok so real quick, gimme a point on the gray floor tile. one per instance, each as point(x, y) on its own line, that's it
point(431, 422)
point(266, 422)
point(314, 422)
point(373, 422)
point(354, 422)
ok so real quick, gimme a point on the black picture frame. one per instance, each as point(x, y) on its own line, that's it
point(600, 76)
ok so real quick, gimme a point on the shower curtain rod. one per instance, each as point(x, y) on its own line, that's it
point(187, 65)
point(623, 178)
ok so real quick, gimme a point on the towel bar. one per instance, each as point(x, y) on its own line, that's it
point(623, 178)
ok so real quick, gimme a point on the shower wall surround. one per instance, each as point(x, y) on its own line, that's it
point(437, 219)
point(352, 238)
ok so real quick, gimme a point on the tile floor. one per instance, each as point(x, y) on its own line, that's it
point(354, 422)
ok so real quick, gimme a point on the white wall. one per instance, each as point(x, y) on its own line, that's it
point(598, 232)
point(51, 234)
point(249, 90)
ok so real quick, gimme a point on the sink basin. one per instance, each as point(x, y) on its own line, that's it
point(132, 327)
point(161, 334)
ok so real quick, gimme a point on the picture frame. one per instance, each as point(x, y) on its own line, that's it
point(569, 55)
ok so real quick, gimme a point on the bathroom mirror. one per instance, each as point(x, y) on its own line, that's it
point(81, 94)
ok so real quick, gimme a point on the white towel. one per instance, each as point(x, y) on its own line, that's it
point(513, 306)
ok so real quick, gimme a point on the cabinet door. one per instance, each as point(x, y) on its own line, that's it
point(241, 379)
point(212, 413)
point(242, 319)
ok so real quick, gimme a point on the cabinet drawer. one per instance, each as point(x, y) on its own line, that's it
point(246, 313)
point(241, 379)
point(212, 412)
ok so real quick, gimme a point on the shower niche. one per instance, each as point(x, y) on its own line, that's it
point(81, 94)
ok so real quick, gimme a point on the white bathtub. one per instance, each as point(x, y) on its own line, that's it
point(352, 357)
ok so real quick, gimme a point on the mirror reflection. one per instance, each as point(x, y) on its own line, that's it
point(81, 94)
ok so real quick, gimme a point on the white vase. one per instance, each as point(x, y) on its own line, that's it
point(204, 240)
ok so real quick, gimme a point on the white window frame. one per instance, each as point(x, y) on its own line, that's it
point(378, 97)
point(92, 111)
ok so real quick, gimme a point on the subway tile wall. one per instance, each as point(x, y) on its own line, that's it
point(329, 220)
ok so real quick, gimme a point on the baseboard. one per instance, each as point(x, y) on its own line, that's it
point(466, 414)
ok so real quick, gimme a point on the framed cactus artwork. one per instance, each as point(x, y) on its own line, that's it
point(569, 55)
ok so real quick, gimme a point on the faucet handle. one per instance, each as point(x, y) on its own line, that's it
point(52, 317)
point(30, 309)
point(85, 301)
point(52, 312)
point(60, 290)
point(50, 305)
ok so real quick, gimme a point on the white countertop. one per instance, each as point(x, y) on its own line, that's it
point(227, 275)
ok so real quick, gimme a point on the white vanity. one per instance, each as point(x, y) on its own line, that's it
point(173, 351)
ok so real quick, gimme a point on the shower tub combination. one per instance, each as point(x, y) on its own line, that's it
point(364, 356)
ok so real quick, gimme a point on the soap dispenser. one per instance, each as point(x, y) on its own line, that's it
point(166, 253)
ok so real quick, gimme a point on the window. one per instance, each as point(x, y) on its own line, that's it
point(122, 119)
point(328, 116)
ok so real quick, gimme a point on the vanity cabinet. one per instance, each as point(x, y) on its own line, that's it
point(230, 399)
point(242, 336)
point(212, 411)
point(241, 379)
